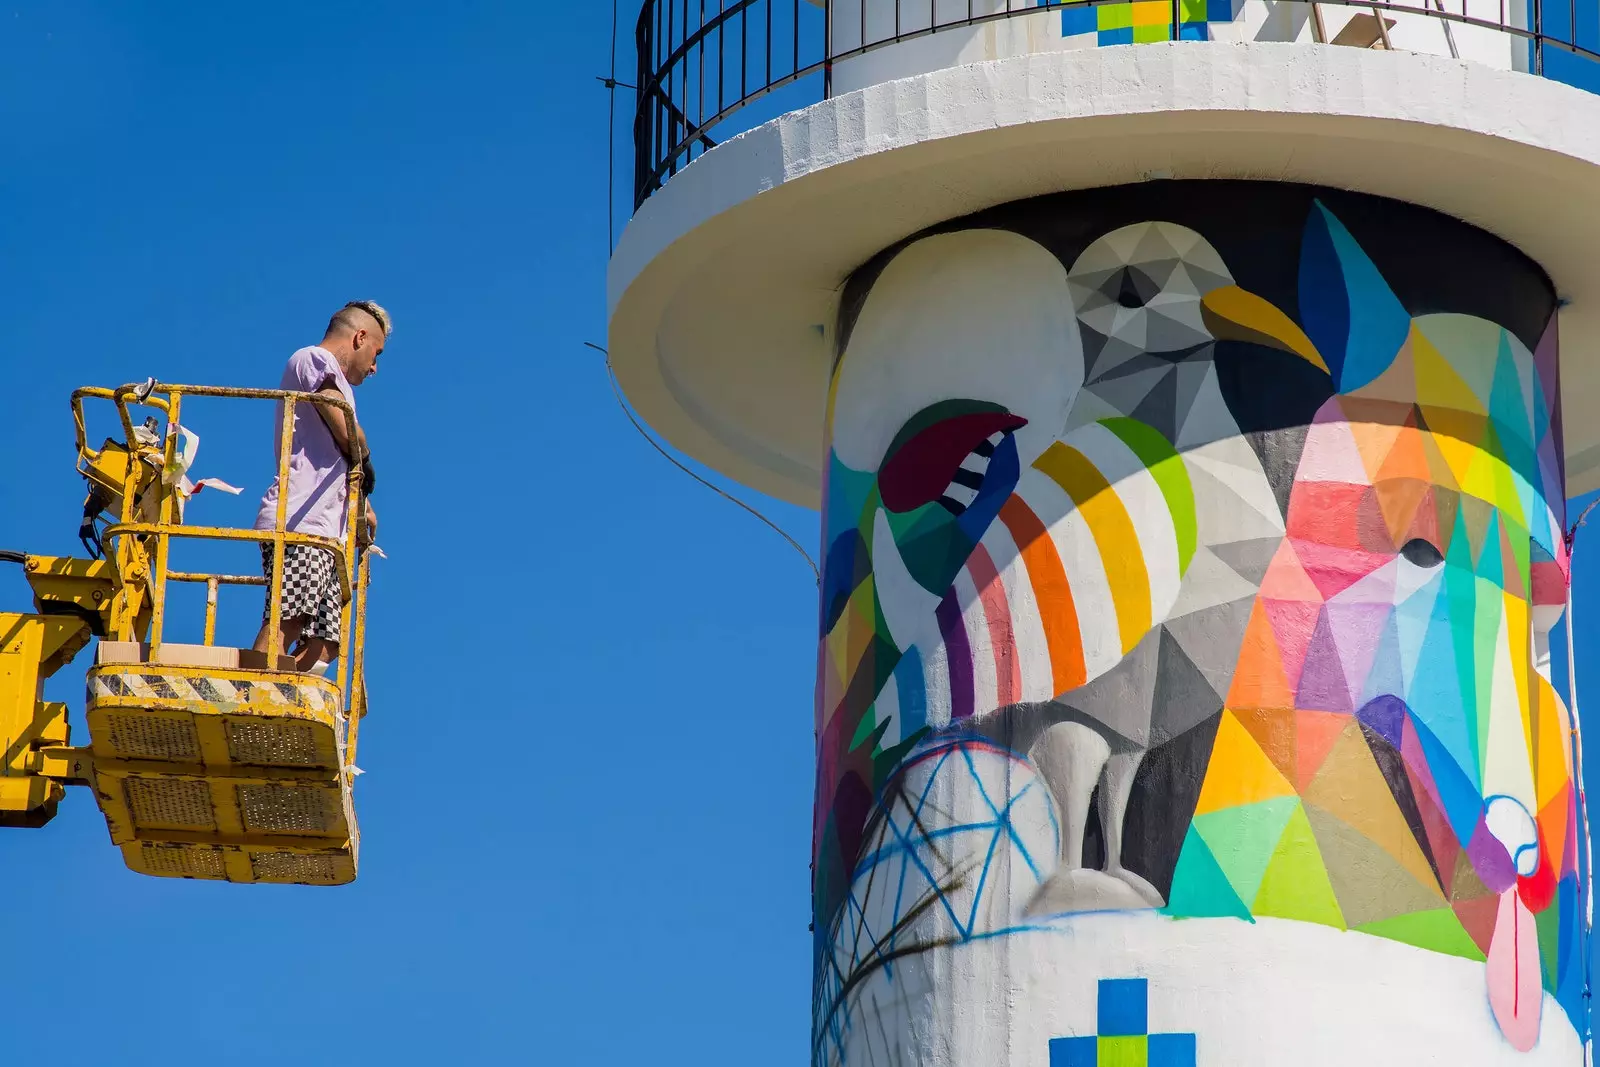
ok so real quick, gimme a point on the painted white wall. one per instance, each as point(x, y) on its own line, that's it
point(1260, 994)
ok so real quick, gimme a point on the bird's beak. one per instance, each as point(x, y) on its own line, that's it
point(1232, 314)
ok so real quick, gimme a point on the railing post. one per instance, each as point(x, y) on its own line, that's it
point(275, 581)
point(164, 516)
point(827, 50)
point(211, 611)
point(1538, 37)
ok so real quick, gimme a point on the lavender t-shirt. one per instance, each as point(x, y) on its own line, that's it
point(318, 471)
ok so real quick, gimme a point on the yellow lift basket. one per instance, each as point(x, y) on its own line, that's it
point(207, 762)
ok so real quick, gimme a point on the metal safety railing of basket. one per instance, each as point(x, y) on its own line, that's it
point(353, 562)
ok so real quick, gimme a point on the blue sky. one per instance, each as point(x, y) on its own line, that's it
point(586, 814)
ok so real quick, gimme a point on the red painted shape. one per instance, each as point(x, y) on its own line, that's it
point(922, 467)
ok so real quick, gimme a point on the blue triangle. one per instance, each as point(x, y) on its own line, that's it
point(1346, 307)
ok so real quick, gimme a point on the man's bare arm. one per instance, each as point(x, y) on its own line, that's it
point(339, 428)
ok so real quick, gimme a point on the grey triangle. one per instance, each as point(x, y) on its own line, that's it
point(1088, 408)
point(1132, 361)
point(1165, 334)
point(1127, 392)
point(1208, 418)
point(1093, 344)
point(1119, 357)
point(1279, 452)
point(1184, 697)
point(1143, 284)
point(1121, 698)
point(1182, 281)
point(1159, 408)
point(1221, 515)
point(1207, 582)
point(1249, 559)
point(1210, 639)
point(1153, 245)
point(1191, 375)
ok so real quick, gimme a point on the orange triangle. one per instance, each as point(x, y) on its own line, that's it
point(1315, 733)
point(1399, 499)
point(1258, 680)
point(1239, 772)
point(1553, 829)
point(1375, 441)
point(1406, 458)
point(1273, 730)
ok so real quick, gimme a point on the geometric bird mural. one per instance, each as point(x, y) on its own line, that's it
point(1109, 625)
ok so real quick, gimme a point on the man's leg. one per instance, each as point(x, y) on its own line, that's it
point(319, 645)
point(315, 654)
point(288, 629)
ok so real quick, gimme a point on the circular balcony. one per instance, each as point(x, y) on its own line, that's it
point(710, 69)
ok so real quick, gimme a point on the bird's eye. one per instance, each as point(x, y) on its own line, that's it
point(1420, 552)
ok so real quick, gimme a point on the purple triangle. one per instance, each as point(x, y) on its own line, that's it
point(1357, 629)
point(1489, 860)
point(1322, 681)
point(1386, 717)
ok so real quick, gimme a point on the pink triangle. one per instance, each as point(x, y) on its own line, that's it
point(1333, 569)
point(1293, 622)
point(1331, 455)
point(1286, 579)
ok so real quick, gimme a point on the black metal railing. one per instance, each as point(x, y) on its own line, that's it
point(701, 61)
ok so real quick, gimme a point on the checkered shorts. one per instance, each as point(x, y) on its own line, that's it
point(310, 589)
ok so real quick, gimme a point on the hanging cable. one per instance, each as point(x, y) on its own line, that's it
point(611, 136)
point(612, 85)
point(616, 391)
point(1583, 794)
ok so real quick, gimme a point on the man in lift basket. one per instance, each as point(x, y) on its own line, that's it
point(319, 466)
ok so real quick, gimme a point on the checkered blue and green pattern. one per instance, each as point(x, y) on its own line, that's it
point(1144, 21)
point(1124, 1038)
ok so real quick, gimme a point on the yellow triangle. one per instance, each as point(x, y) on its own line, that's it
point(1444, 476)
point(1483, 479)
point(1458, 454)
point(1239, 772)
point(1438, 385)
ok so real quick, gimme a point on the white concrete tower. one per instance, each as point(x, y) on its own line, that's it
point(1191, 391)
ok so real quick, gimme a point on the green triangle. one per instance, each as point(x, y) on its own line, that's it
point(869, 722)
point(1548, 923)
point(1438, 930)
point(1491, 561)
point(1199, 888)
point(1296, 885)
point(1242, 839)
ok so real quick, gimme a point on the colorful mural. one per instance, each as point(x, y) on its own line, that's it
point(1192, 597)
point(1145, 21)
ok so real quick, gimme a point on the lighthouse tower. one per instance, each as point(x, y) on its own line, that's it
point(1191, 392)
